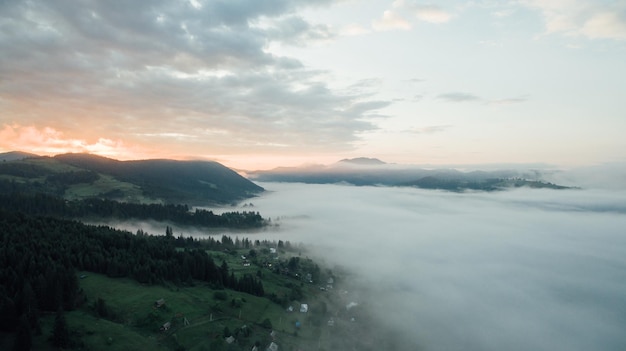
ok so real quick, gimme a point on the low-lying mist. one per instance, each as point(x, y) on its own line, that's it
point(517, 270)
point(513, 270)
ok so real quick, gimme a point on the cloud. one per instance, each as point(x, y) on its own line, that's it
point(430, 129)
point(458, 97)
point(294, 30)
point(608, 25)
point(517, 270)
point(467, 97)
point(396, 17)
point(353, 30)
point(153, 70)
point(391, 21)
point(608, 176)
point(48, 140)
point(508, 101)
point(583, 18)
point(431, 14)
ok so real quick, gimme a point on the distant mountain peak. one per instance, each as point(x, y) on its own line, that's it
point(363, 161)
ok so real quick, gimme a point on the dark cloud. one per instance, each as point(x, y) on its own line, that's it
point(158, 64)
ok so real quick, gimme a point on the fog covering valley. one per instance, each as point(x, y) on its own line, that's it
point(516, 270)
point(522, 269)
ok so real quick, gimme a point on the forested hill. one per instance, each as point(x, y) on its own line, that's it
point(177, 181)
point(41, 256)
point(367, 171)
point(80, 176)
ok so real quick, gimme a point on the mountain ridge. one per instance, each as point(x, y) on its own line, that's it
point(15, 155)
point(369, 161)
point(365, 171)
point(161, 180)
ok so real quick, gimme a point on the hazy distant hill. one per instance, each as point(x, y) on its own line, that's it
point(369, 171)
point(15, 156)
point(85, 175)
point(363, 161)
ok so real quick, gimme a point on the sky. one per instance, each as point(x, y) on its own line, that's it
point(261, 84)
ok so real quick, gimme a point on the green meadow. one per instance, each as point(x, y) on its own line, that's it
point(199, 317)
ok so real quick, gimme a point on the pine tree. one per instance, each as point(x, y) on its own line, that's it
point(60, 332)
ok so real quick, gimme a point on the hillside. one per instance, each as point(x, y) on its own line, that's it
point(367, 171)
point(15, 155)
point(170, 181)
point(120, 291)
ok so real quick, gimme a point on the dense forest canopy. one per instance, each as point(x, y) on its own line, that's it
point(104, 209)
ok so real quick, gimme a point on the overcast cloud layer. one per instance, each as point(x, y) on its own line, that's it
point(261, 84)
point(198, 72)
point(519, 270)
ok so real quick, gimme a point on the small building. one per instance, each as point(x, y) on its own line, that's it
point(230, 339)
point(304, 308)
point(166, 326)
point(272, 347)
point(272, 250)
point(331, 322)
point(158, 303)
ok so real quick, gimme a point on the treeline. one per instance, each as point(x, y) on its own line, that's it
point(490, 184)
point(40, 204)
point(39, 257)
point(42, 181)
point(24, 170)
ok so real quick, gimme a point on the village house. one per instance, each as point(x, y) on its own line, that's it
point(166, 326)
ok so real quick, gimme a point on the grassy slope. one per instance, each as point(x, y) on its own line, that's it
point(104, 184)
point(196, 182)
point(137, 323)
point(147, 181)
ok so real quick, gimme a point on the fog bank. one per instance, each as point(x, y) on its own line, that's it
point(517, 270)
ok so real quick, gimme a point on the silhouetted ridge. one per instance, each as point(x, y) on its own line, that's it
point(176, 181)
